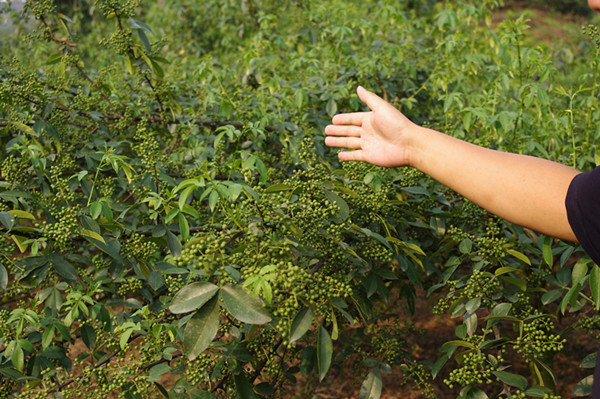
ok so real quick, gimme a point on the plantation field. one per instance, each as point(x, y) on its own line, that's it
point(174, 226)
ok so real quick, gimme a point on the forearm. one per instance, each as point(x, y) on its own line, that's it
point(525, 190)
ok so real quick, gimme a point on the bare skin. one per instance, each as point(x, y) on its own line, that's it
point(522, 189)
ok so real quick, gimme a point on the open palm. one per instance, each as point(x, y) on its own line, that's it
point(380, 137)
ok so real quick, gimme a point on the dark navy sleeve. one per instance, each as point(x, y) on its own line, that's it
point(583, 211)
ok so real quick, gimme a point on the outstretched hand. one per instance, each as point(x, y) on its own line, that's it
point(380, 137)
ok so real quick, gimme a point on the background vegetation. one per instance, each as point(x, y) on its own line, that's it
point(172, 224)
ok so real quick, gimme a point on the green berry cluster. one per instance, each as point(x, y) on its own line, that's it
point(476, 369)
point(148, 149)
point(4, 329)
point(59, 233)
point(14, 170)
point(63, 193)
point(198, 370)
point(457, 234)
point(174, 283)
point(411, 177)
point(591, 325)
point(131, 285)
point(121, 8)
point(537, 339)
point(120, 41)
point(7, 248)
point(388, 346)
point(420, 377)
point(482, 285)
point(140, 247)
point(492, 245)
point(205, 253)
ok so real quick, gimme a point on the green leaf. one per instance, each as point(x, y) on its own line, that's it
point(95, 209)
point(589, 362)
point(184, 227)
point(48, 336)
point(331, 107)
point(174, 244)
point(514, 380)
point(21, 214)
point(3, 277)
point(92, 234)
point(538, 391)
point(583, 387)
point(157, 371)
point(275, 188)
point(476, 393)
point(110, 246)
point(301, 324)
point(324, 352)
point(471, 323)
point(243, 387)
point(144, 41)
point(213, 198)
point(88, 335)
point(547, 251)
point(595, 285)
point(371, 386)
point(552, 295)
point(63, 267)
point(192, 297)
point(439, 364)
point(202, 395)
point(18, 357)
point(7, 220)
point(570, 298)
point(202, 328)
point(579, 272)
point(243, 306)
point(336, 199)
point(519, 255)
point(465, 246)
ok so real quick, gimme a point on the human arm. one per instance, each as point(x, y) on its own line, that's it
point(522, 189)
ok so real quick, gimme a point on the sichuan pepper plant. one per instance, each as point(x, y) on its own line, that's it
point(172, 224)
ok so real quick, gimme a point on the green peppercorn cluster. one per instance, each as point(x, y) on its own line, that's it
point(148, 149)
point(420, 378)
point(4, 329)
point(591, 325)
point(174, 283)
point(122, 8)
point(476, 369)
point(537, 339)
point(206, 252)
point(140, 247)
point(388, 346)
point(198, 370)
point(411, 177)
point(492, 245)
point(14, 170)
point(131, 285)
point(59, 233)
point(7, 248)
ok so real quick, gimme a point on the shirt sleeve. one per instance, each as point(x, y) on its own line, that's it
point(583, 211)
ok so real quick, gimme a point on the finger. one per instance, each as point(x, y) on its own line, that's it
point(351, 156)
point(345, 130)
point(354, 118)
point(372, 100)
point(343, 142)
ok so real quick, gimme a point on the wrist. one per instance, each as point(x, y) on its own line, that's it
point(415, 145)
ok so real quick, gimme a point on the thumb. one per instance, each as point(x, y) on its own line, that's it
point(372, 100)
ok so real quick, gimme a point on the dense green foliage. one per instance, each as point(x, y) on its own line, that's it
point(172, 224)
